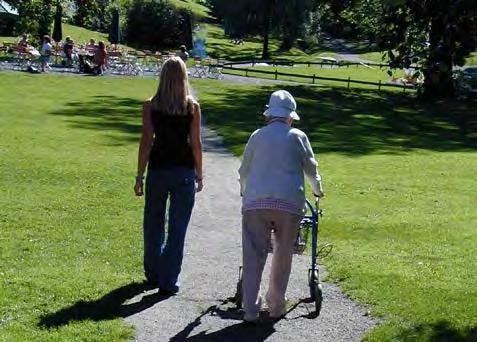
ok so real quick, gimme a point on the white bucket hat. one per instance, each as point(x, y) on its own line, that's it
point(281, 105)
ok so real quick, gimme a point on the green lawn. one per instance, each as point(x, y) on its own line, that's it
point(378, 57)
point(400, 184)
point(71, 240)
point(80, 35)
point(219, 46)
point(399, 177)
point(358, 73)
point(196, 8)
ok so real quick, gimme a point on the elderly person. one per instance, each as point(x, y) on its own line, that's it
point(275, 160)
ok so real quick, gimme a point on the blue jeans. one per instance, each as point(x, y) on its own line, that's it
point(162, 261)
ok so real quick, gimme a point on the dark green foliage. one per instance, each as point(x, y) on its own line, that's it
point(114, 31)
point(434, 34)
point(35, 17)
point(45, 17)
point(86, 11)
point(57, 34)
point(284, 18)
point(157, 24)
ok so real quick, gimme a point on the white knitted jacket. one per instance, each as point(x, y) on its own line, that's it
point(274, 161)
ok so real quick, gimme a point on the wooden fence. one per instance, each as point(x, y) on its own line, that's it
point(312, 78)
point(338, 64)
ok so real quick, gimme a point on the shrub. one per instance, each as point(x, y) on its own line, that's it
point(154, 24)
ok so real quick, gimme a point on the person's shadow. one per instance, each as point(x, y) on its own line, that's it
point(238, 332)
point(110, 306)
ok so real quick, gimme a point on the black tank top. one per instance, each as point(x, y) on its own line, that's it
point(171, 145)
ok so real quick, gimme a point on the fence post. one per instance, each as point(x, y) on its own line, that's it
point(253, 62)
point(314, 78)
point(308, 64)
point(349, 79)
point(379, 85)
point(246, 72)
point(276, 74)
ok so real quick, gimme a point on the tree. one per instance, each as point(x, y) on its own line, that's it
point(435, 35)
point(365, 16)
point(285, 18)
point(86, 11)
point(35, 16)
point(156, 24)
point(293, 15)
point(45, 17)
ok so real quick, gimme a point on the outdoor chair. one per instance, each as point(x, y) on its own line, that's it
point(200, 68)
point(215, 67)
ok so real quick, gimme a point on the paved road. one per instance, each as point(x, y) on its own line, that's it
point(202, 311)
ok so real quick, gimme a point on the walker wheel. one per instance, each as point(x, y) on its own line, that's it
point(316, 290)
point(318, 298)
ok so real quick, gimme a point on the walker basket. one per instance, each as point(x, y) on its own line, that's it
point(304, 231)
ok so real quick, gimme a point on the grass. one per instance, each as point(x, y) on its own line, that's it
point(71, 228)
point(377, 57)
point(399, 181)
point(219, 46)
point(80, 35)
point(399, 208)
point(359, 73)
point(200, 11)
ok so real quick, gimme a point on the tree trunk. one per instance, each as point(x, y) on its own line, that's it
point(438, 71)
point(266, 34)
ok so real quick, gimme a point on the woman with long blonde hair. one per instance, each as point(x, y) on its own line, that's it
point(171, 148)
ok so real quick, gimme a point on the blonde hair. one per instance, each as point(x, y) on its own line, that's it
point(173, 94)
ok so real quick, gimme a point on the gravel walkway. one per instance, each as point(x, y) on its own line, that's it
point(203, 311)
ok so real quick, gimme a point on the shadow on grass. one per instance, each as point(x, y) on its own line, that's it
point(106, 113)
point(108, 307)
point(338, 120)
point(351, 122)
point(438, 332)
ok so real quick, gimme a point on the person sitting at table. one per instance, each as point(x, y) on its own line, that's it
point(22, 44)
point(91, 46)
point(45, 53)
point(100, 58)
point(183, 54)
point(68, 50)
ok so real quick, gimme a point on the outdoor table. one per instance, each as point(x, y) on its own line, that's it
point(33, 52)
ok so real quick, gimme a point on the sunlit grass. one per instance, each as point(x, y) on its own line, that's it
point(399, 179)
point(354, 73)
point(197, 9)
point(399, 207)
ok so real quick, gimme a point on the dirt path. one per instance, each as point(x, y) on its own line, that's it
point(202, 311)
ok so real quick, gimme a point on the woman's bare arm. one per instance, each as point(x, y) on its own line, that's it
point(145, 145)
point(196, 144)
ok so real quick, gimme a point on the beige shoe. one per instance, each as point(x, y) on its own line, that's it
point(277, 312)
